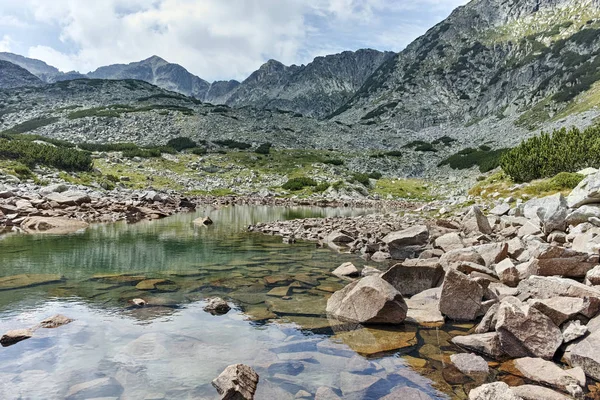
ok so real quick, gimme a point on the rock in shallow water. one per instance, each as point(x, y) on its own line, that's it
point(217, 306)
point(15, 336)
point(370, 300)
point(237, 382)
point(461, 297)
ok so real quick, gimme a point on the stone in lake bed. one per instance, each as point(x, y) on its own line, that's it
point(55, 321)
point(97, 388)
point(237, 382)
point(370, 341)
point(28, 280)
point(150, 284)
point(280, 291)
point(407, 393)
point(299, 305)
point(15, 336)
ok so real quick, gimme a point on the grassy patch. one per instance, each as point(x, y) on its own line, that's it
point(402, 188)
point(501, 183)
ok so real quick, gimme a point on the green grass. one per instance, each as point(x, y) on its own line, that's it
point(501, 183)
point(402, 188)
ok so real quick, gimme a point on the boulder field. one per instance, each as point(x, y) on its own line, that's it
point(528, 273)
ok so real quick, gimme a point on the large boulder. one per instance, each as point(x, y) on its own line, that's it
point(468, 254)
point(524, 331)
point(237, 382)
point(546, 287)
point(407, 243)
point(552, 211)
point(560, 261)
point(461, 297)
point(476, 222)
point(587, 192)
point(414, 276)
point(507, 273)
point(370, 300)
point(561, 309)
point(534, 392)
point(586, 354)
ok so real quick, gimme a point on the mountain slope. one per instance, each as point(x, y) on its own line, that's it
point(12, 76)
point(316, 89)
point(45, 72)
point(159, 72)
point(528, 60)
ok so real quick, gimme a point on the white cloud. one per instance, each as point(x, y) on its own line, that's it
point(214, 39)
point(5, 43)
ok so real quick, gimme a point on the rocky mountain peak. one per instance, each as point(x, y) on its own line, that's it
point(13, 76)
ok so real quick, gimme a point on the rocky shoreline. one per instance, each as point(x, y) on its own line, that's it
point(61, 207)
point(529, 274)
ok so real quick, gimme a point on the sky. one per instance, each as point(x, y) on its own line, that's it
point(214, 39)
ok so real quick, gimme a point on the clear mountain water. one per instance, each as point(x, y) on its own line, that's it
point(172, 348)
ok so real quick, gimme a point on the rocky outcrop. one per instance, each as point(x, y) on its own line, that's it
point(370, 300)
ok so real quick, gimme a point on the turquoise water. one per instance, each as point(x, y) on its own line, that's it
point(172, 348)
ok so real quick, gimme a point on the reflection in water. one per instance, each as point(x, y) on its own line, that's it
point(172, 348)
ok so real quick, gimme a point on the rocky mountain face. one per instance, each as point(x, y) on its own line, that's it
point(159, 72)
point(316, 89)
point(13, 76)
point(531, 61)
point(45, 72)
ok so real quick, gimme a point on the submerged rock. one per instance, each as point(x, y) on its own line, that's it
point(52, 225)
point(237, 382)
point(28, 280)
point(203, 221)
point(370, 300)
point(487, 344)
point(55, 321)
point(97, 388)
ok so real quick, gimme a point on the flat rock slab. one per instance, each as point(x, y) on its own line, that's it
point(487, 344)
point(373, 341)
point(55, 322)
point(150, 284)
point(52, 225)
point(28, 280)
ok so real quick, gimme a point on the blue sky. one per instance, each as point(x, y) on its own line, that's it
point(214, 39)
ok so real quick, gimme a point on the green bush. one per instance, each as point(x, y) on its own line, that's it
point(363, 179)
point(232, 144)
point(446, 140)
point(295, 184)
point(547, 155)
point(393, 153)
point(334, 161)
point(108, 147)
point(321, 187)
point(143, 153)
point(375, 175)
point(181, 143)
point(32, 125)
point(468, 158)
point(264, 148)
point(31, 154)
point(199, 151)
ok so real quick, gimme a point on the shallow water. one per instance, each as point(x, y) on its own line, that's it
point(172, 348)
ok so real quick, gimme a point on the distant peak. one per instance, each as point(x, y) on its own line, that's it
point(156, 59)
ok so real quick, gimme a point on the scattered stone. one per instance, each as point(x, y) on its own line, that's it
point(401, 244)
point(573, 330)
point(487, 344)
point(406, 393)
point(461, 297)
point(493, 391)
point(326, 393)
point(533, 392)
point(370, 300)
point(587, 192)
point(217, 306)
point(15, 336)
point(138, 302)
point(355, 386)
point(561, 309)
point(488, 322)
point(448, 242)
point(500, 209)
point(237, 382)
point(508, 273)
point(339, 237)
point(203, 221)
point(476, 222)
point(346, 269)
point(470, 364)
